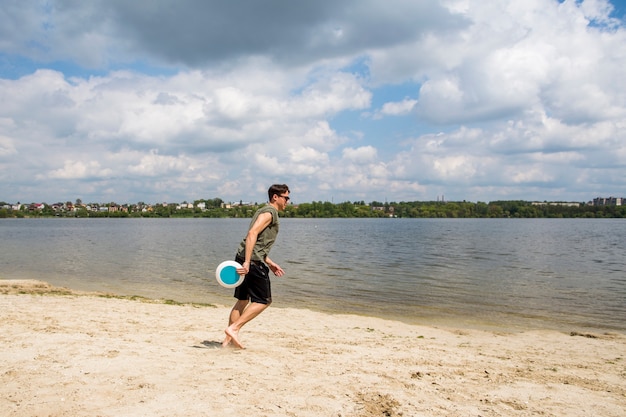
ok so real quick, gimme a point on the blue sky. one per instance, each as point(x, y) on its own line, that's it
point(344, 101)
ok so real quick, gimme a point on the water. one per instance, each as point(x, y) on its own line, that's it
point(565, 274)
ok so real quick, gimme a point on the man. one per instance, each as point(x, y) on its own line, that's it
point(254, 294)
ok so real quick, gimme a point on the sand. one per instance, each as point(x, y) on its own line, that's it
point(65, 353)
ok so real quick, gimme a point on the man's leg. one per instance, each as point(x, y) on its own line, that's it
point(235, 314)
point(237, 311)
point(232, 331)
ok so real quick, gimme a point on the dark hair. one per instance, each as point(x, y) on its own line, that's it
point(277, 189)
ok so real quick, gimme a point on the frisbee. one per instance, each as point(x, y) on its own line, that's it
point(227, 276)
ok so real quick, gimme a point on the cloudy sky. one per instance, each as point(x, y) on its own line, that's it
point(350, 100)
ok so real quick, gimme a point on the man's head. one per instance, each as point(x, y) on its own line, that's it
point(279, 192)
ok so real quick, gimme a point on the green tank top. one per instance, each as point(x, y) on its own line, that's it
point(266, 238)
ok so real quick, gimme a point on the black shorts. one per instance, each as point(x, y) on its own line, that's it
point(256, 286)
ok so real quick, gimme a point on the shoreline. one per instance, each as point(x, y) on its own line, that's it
point(85, 354)
point(422, 316)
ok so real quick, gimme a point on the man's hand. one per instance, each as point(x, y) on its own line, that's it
point(276, 269)
point(245, 268)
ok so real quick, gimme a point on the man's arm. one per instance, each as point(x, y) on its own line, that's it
point(259, 225)
point(276, 269)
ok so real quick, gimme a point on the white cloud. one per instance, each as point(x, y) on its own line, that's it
point(78, 170)
point(7, 146)
point(599, 11)
point(491, 100)
point(398, 108)
point(519, 55)
point(361, 155)
point(155, 164)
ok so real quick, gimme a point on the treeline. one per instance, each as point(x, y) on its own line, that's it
point(357, 209)
point(432, 209)
point(506, 209)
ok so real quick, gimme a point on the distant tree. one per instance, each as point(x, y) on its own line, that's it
point(81, 212)
point(214, 203)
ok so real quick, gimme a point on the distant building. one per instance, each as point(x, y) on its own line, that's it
point(556, 203)
point(611, 201)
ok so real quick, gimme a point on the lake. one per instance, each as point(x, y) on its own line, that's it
point(509, 274)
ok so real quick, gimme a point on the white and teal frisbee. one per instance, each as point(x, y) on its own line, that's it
point(227, 276)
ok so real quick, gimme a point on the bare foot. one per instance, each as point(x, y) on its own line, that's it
point(226, 341)
point(233, 336)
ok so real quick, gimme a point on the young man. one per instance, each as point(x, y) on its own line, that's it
point(254, 295)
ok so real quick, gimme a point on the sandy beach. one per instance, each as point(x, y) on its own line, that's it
point(66, 353)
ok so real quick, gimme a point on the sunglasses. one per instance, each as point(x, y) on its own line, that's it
point(285, 197)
